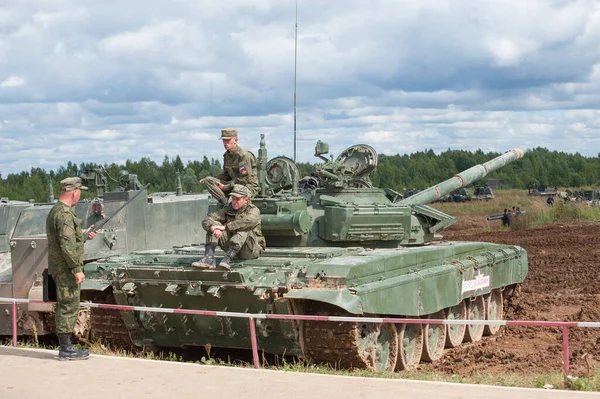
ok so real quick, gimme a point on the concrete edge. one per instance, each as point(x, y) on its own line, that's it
point(317, 375)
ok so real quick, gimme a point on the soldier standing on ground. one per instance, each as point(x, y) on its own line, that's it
point(506, 218)
point(239, 167)
point(236, 231)
point(65, 264)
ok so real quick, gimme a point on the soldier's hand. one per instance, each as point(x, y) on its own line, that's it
point(79, 277)
point(91, 235)
point(201, 180)
point(221, 186)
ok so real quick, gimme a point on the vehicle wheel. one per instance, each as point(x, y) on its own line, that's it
point(475, 311)
point(410, 346)
point(371, 346)
point(83, 325)
point(493, 311)
point(386, 348)
point(456, 332)
point(434, 338)
point(378, 345)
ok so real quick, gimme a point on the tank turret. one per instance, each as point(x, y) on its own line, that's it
point(345, 209)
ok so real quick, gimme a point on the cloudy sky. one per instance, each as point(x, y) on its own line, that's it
point(107, 81)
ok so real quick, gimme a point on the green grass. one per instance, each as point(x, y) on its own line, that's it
point(556, 380)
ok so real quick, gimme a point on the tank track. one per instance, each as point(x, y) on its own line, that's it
point(335, 344)
point(107, 326)
point(82, 325)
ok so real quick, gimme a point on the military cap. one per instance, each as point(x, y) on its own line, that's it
point(228, 133)
point(71, 183)
point(240, 191)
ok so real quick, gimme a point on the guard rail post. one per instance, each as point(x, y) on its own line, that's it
point(565, 331)
point(254, 342)
point(14, 323)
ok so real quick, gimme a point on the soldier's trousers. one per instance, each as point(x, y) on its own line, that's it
point(245, 241)
point(222, 196)
point(214, 190)
point(67, 302)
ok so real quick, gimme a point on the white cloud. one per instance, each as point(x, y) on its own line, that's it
point(506, 53)
point(12, 81)
point(202, 136)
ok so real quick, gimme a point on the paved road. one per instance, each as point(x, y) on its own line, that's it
point(32, 374)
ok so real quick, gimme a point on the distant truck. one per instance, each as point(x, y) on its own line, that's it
point(458, 195)
point(483, 193)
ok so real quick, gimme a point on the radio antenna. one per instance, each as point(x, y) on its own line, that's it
point(295, 73)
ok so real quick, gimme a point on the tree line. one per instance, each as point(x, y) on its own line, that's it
point(539, 167)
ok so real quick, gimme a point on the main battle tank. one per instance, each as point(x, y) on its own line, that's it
point(159, 220)
point(336, 245)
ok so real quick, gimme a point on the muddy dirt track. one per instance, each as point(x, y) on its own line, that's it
point(563, 284)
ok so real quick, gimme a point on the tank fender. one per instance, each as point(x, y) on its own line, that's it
point(340, 298)
point(94, 285)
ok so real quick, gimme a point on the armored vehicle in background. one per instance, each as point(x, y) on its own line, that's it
point(543, 191)
point(458, 195)
point(336, 246)
point(483, 193)
point(156, 221)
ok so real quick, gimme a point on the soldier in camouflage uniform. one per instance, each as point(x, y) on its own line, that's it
point(65, 264)
point(235, 229)
point(239, 167)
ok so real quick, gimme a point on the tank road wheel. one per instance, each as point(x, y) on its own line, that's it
point(493, 311)
point(410, 346)
point(384, 351)
point(371, 346)
point(434, 338)
point(376, 345)
point(83, 325)
point(475, 311)
point(456, 332)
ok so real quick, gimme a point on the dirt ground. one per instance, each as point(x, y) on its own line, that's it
point(563, 284)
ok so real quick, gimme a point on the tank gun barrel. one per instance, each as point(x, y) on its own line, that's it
point(463, 179)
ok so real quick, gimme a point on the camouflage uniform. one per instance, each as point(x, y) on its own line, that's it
point(239, 167)
point(65, 258)
point(242, 230)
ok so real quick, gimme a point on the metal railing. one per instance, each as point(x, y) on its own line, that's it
point(564, 325)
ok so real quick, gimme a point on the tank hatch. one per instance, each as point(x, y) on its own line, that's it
point(360, 160)
point(282, 173)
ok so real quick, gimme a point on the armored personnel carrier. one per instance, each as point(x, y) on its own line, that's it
point(336, 245)
point(483, 193)
point(160, 220)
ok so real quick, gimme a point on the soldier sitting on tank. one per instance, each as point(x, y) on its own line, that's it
point(239, 167)
point(236, 229)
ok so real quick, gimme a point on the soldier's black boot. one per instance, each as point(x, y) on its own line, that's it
point(228, 259)
point(208, 262)
point(68, 351)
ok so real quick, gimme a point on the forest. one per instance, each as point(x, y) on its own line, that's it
point(539, 167)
